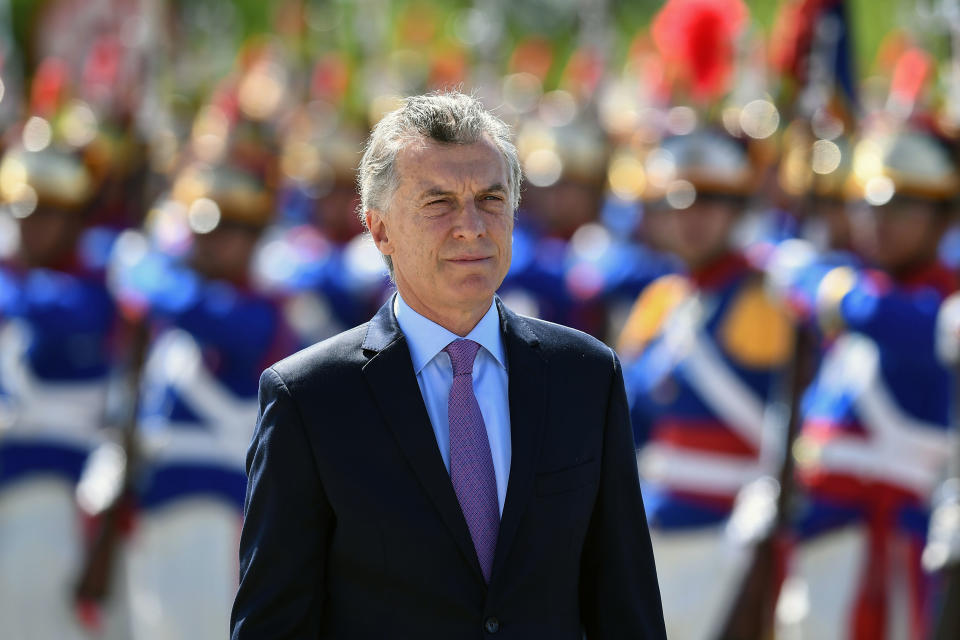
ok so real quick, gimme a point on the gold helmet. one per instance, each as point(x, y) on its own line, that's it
point(706, 161)
point(908, 159)
point(576, 151)
point(212, 193)
point(49, 176)
point(320, 147)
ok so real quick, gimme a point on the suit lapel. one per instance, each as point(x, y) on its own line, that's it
point(390, 376)
point(527, 397)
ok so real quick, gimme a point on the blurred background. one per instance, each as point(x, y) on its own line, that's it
point(752, 201)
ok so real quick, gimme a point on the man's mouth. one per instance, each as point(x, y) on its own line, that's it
point(469, 259)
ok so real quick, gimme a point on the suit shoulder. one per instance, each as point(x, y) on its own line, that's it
point(559, 342)
point(336, 355)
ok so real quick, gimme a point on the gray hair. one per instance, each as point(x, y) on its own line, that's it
point(450, 117)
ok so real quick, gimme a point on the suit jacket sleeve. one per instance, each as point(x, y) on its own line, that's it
point(288, 522)
point(619, 594)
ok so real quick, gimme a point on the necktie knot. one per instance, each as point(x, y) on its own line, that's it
point(462, 354)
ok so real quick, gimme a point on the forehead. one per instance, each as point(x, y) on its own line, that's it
point(428, 163)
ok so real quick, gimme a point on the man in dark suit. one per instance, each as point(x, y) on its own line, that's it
point(450, 469)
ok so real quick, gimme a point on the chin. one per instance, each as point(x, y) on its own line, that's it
point(475, 289)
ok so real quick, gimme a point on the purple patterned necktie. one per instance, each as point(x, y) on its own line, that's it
point(471, 464)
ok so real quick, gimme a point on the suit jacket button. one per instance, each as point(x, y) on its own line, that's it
point(491, 625)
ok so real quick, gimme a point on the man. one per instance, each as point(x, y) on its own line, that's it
point(701, 352)
point(57, 323)
point(875, 438)
point(396, 490)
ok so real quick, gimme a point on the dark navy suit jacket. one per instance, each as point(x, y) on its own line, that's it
point(353, 529)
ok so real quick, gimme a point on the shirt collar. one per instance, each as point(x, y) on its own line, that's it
point(426, 338)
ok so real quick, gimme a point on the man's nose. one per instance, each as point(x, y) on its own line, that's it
point(470, 222)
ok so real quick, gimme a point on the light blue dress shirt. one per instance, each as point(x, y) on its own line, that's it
point(426, 340)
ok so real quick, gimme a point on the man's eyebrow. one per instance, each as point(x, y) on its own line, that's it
point(438, 192)
point(435, 191)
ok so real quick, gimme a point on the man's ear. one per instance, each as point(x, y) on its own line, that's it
point(378, 231)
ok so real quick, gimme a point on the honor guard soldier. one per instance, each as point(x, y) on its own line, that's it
point(612, 261)
point(57, 321)
point(815, 173)
point(874, 438)
point(535, 282)
point(213, 335)
point(701, 351)
point(700, 355)
point(565, 167)
point(329, 274)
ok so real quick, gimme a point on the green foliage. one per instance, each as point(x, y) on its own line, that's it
point(872, 20)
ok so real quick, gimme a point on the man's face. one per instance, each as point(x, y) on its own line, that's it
point(897, 235)
point(48, 234)
point(702, 232)
point(833, 213)
point(225, 252)
point(448, 227)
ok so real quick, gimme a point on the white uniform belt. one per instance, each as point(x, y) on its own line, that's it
point(75, 406)
point(920, 442)
point(694, 471)
point(226, 421)
point(175, 443)
point(898, 448)
point(724, 392)
point(704, 368)
point(33, 407)
point(876, 462)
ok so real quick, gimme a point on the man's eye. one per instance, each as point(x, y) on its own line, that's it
point(491, 196)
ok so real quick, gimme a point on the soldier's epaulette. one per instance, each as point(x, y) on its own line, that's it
point(650, 312)
point(755, 331)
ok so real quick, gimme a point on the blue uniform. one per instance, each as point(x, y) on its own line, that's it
point(534, 285)
point(211, 341)
point(605, 270)
point(874, 442)
point(700, 355)
point(56, 331)
point(326, 287)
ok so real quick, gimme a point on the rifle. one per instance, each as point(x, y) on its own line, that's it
point(763, 509)
point(942, 555)
point(942, 552)
point(105, 491)
point(762, 512)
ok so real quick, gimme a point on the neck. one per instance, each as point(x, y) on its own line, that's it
point(60, 261)
point(455, 320)
point(915, 271)
point(718, 270)
point(237, 277)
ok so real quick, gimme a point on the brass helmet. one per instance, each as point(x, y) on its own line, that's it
point(576, 151)
point(907, 159)
point(707, 160)
point(212, 193)
point(49, 176)
point(320, 147)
